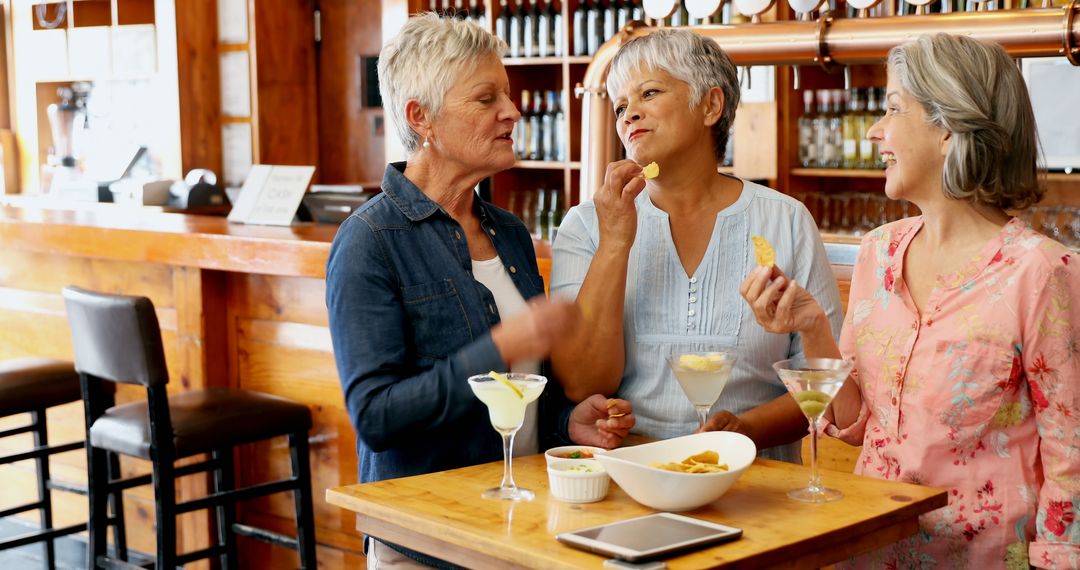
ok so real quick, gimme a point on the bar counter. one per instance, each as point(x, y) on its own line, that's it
point(239, 306)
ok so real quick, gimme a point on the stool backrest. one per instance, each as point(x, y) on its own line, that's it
point(116, 337)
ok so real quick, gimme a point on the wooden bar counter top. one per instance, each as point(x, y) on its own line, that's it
point(443, 514)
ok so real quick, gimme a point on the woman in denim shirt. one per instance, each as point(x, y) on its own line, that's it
point(427, 284)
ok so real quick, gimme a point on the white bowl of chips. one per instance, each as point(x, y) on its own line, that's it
point(634, 470)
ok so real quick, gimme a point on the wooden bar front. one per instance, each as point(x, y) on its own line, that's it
point(239, 306)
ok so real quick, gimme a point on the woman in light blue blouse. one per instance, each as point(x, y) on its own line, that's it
point(655, 264)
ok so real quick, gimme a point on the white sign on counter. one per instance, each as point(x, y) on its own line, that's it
point(271, 194)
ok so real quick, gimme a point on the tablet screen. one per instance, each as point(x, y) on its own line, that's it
point(649, 533)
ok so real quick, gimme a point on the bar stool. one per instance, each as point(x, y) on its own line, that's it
point(117, 340)
point(32, 385)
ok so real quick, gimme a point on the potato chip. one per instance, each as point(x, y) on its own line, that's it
point(763, 250)
point(651, 170)
point(705, 462)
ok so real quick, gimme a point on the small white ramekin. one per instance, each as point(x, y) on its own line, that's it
point(578, 486)
point(551, 456)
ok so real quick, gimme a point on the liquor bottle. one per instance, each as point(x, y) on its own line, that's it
point(637, 11)
point(850, 122)
point(836, 129)
point(528, 30)
point(542, 219)
point(547, 128)
point(581, 27)
point(866, 119)
point(557, 212)
point(557, 38)
point(611, 19)
point(822, 138)
point(476, 14)
point(678, 17)
point(623, 14)
point(459, 10)
point(534, 18)
point(536, 132)
point(879, 108)
point(517, 30)
point(546, 29)
point(522, 134)
point(560, 128)
point(807, 141)
point(502, 23)
point(594, 28)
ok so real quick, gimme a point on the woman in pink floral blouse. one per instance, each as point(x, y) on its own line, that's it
point(964, 324)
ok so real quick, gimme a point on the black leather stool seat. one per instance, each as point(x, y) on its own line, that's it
point(28, 384)
point(202, 421)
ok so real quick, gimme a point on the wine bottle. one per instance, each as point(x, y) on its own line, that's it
point(545, 23)
point(595, 27)
point(611, 19)
point(807, 142)
point(581, 26)
point(547, 127)
point(521, 136)
point(528, 30)
point(560, 128)
point(517, 29)
point(536, 136)
point(502, 23)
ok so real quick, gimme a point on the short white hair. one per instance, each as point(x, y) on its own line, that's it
point(689, 57)
point(423, 61)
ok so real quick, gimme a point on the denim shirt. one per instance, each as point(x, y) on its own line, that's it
point(410, 324)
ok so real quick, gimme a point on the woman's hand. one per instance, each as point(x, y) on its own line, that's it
point(615, 209)
point(782, 306)
point(725, 421)
point(601, 422)
point(531, 334)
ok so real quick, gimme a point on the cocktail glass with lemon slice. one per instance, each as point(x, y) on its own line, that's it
point(814, 382)
point(702, 372)
point(506, 397)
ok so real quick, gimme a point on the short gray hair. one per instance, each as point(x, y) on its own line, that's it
point(974, 91)
point(424, 60)
point(690, 58)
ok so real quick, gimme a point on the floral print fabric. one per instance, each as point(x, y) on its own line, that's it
point(979, 395)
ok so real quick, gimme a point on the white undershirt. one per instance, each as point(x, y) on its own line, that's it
point(492, 274)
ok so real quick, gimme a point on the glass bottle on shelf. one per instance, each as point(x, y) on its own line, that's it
point(623, 14)
point(557, 38)
point(502, 23)
point(476, 14)
point(547, 127)
point(866, 119)
point(536, 129)
point(875, 114)
point(836, 129)
point(522, 136)
point(528, 30)
point(546, 30)
point(543, 214)
point(459, 10)
point(594, 28)
point(611, 19)
point(581, 27)
point(433, 6)
point(557, 212)
point(517, 31)
point(807, 140)
point(637, 11)
point(534, 13)
point(822, 138)
point(559, 125)
point(850, 128)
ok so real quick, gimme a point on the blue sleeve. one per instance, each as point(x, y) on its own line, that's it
point(814, 273)
point(391, 400)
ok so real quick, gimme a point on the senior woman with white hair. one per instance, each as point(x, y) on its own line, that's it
point(427, 284)
point(963, 323)
point(684, 237)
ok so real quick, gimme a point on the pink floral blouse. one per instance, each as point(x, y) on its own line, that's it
point(980, 397)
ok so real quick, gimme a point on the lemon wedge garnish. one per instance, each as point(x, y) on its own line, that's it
point(651, 170)
point(505, 382)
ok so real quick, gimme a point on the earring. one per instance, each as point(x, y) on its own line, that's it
point(426, 144)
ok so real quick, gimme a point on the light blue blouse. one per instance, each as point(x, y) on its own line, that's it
point(666, 309)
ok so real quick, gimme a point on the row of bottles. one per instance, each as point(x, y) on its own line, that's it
point(541, 130)
point(596, 22)
point(833, 126)
point(474, 12)
point(530, 29)
point(541, 210)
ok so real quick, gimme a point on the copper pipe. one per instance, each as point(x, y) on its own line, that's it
point(1023, 33)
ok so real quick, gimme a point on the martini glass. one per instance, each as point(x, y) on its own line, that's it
point(702, 373)
point(813, 382)
point(506, 409)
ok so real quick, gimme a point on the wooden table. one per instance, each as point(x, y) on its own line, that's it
point(442, 514)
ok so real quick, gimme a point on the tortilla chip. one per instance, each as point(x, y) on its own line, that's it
point(763, 250)
point(651, 170)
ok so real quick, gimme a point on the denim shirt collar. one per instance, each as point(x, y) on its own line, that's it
point(412, 201)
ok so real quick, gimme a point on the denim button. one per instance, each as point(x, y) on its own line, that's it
point(492, 232)
point(513, 269)
point(457, 235)
point(491, 308)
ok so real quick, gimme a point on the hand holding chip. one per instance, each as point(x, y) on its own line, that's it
point(601, 422)
point(615, 209)
point(779, 304)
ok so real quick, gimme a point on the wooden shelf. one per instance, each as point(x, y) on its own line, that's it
point(838, 172)
point(547, 165)
point(586, 59)
point(1062, 177)
point(521, 61)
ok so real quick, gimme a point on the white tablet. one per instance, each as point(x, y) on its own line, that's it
point(649, 536)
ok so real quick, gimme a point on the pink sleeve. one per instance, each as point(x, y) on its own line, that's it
point(1052, 367)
